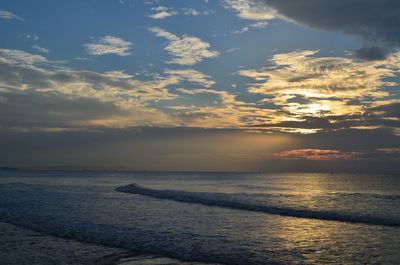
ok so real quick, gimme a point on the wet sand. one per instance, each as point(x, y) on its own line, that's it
point(20, 246)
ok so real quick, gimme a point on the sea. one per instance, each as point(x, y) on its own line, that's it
point(214, 217)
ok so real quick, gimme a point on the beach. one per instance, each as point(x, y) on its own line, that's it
point(23, 246)
point(81, 217)
point(20, 246)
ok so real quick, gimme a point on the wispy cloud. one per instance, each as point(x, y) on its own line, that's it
point(21, 57)
point(161, 12)
point(257, 25)
point(192, 12)
point(192, 76)
point(187, 50)
point(109, 45)
point(40, 49)
point(33, 37)
point(9, 15)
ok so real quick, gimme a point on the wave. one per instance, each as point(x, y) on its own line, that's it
point(215, 199)
point(369, 195)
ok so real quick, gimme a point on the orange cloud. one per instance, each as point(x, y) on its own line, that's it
point(389, 150)
point(313, 154)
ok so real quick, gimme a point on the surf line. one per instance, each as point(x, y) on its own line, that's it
point(197, 198)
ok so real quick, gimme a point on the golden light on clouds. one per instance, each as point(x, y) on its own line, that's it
point(235, 79)
point(303, 86)
point(297, 90)
point(297, 73)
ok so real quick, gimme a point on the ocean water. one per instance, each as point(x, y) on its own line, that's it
point(228, 218)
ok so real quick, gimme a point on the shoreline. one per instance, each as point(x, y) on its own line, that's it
point(22, 246)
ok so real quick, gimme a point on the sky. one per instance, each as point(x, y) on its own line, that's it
point(210, 85)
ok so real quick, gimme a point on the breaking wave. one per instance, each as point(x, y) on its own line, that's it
point(216, 199)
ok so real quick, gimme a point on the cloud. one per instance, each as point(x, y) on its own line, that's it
point(257, 25)
point(370, 53)
point(371, 19)
point(107, 85)
point(390, 110)
point(162, 12)
point(145, 148)
point(299, 93)
point(374, 144)
point(27, 111)
point(250, 9)
point(40, 49)
point(125, 94)
point(192, 76)
point(374, 21)
point(192, 12)
point(333, 160)
point(35, 98)
point(187, 50)
point(155, 148)
point(33, 37)
point(222, 110)
point(9, 15)
point(298, 73)
point(21, 57)
point(395, 150)
point(160, 8)
point(303, 87)
point(313, 154)
point(109, 45)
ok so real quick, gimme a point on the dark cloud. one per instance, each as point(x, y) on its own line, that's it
point(16, 75)
point(183, 148)
point(147, 148)
point(388, 110)
point(25, 109)
point(375, 21)
point(190, 117)
point(385, 117)
point(371, 53)
point(308, 122)
point(350, 140)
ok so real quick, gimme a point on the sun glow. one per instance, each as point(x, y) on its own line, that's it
point(309, 109)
